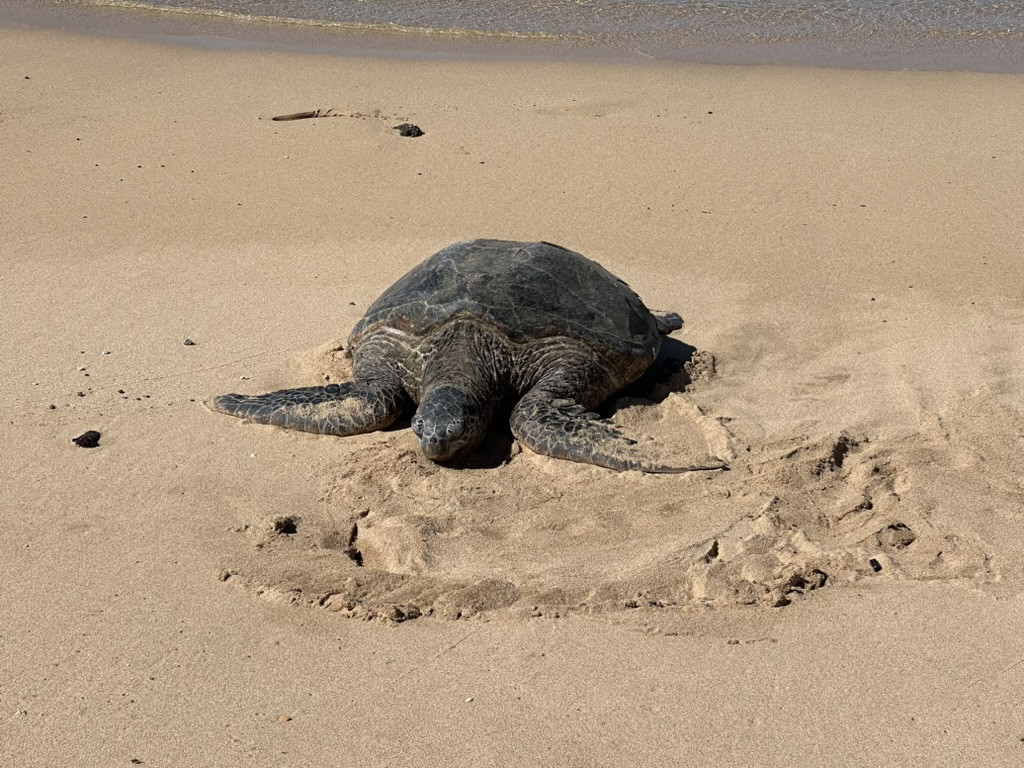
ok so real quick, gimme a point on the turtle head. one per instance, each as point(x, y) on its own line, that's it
point(448, 423)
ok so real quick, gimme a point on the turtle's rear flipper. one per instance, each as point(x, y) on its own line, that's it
point(667, 322)
point(337, 409)
point(563, 429)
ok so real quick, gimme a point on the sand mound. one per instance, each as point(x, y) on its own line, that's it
point(398, 537)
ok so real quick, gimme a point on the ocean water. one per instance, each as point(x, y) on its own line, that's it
point(943, 34)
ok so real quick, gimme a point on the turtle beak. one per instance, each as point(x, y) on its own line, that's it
point(434, 448)
point(442, 444)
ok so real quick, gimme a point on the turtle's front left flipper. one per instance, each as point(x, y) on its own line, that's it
point(565, 430)
point(337, 409)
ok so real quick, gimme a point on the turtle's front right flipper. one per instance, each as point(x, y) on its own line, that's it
point(337, 409)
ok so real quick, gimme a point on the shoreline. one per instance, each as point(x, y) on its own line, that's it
point(222, 32)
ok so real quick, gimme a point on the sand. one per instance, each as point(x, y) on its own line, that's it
point(845, 249)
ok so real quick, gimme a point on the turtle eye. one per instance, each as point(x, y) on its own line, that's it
point(417, 425)
point(455, 427)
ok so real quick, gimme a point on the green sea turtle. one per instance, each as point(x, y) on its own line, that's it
point(479, 327)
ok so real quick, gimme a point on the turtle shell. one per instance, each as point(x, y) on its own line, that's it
point(527, 291)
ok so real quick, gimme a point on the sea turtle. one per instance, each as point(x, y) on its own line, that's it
point(479, 327)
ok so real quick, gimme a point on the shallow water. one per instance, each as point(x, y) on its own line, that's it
point(890, 34)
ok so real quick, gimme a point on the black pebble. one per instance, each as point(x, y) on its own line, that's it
point(88, 439)
point(189, 343)
point(875, 565)
point(408, 129)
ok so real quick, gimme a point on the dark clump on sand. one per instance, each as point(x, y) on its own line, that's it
point(89, 439)
point(408, 129)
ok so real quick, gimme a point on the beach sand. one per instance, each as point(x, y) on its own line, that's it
point(845, 248)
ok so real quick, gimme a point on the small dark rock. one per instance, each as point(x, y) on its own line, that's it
point(408, 129)
point(875, 565)
point(88, 439)
point(189, 343)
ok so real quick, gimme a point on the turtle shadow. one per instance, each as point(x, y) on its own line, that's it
point(669, 373)
point(494, 452)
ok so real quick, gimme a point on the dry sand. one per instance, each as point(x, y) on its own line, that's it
point(845, 248)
